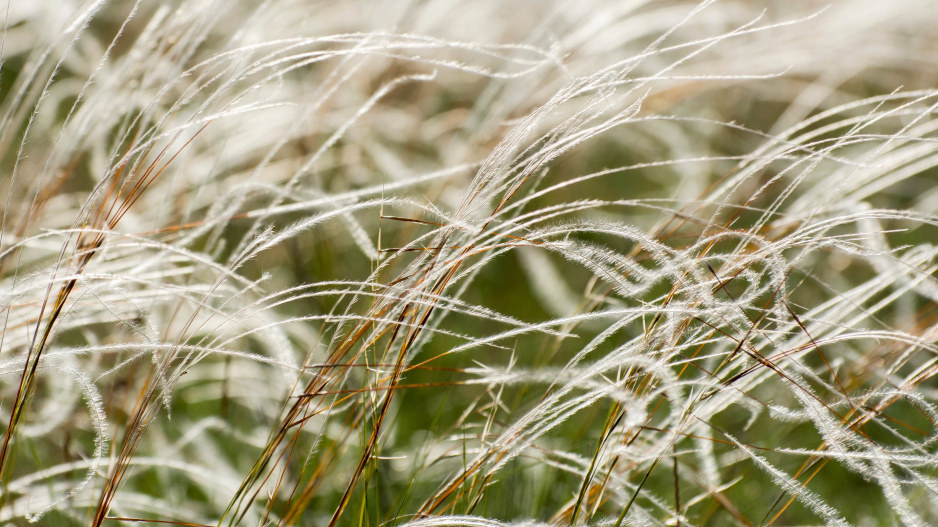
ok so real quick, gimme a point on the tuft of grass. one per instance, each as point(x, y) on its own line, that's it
point(432, 264)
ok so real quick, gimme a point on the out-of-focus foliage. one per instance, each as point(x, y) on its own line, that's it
point(469, 263)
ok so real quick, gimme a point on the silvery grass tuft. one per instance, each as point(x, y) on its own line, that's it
point(482, 263)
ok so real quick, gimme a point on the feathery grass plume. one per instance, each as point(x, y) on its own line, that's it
point(469, 264)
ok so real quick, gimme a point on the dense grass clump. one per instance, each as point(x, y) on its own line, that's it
point(469, 263)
